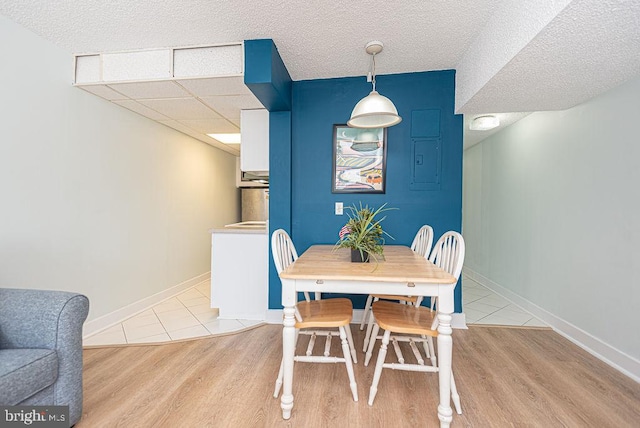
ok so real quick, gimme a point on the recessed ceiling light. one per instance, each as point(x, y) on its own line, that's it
point(484, 123)
point(226, 138)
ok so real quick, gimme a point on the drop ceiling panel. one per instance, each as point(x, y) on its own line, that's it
point(241, 102)
point(181, 108)
point(208, 61)
point(217, 86)
point(105, 92)
point(229, 148)
point(147, 90)
point(141, 109)
point(211, 126)
point(229, 106)
point(140, 65)
point(232, 116)
point(88, 69)
point(178, 126)
point(199, 136)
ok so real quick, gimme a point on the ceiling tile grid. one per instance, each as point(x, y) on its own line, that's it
point(180, 108)
point(226, 85)
point(211, 125)
point(150, 89)
point(105, 92)
point(206, 100)
point(172, 104)
point(141, 109)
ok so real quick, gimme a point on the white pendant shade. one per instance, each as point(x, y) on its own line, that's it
point(374, 111)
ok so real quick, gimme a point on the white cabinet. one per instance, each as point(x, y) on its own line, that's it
point(240, 273)
point(254, 146)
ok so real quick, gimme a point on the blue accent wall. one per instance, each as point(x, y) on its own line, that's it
point(319, 104)
point(424, 153)
point(279, 191)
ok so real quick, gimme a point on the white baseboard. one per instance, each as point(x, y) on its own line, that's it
point(274, 316)
point(102, 323)
point(459, 321)
point(617, 359)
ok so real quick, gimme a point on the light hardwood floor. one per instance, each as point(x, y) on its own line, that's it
point(506, 377)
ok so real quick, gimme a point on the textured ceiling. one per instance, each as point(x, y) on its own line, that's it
point(510, 55)
point(315, 39)
point(582, 50)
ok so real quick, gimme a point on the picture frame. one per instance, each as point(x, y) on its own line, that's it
point(359, 160)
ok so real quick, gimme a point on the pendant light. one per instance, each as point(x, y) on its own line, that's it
point(374, 110)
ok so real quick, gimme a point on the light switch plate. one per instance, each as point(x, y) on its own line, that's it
point(339, 208)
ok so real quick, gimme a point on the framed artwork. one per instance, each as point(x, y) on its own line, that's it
point(359, 160)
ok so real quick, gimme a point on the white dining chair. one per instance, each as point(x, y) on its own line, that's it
point(415, 324)
point(422, 242)
point(422, 245)
point(332, 316)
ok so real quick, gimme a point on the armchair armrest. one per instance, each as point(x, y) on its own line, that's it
point(40, 318)
point(51, 320)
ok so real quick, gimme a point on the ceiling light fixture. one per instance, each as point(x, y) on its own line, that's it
point(374, 110)
point(226, 138)
point(484, 123)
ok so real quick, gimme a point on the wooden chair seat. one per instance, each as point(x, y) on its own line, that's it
point(399, 318)
point(413, 300)
point(325, 313)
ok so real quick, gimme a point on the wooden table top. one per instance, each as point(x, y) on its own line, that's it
point(397, 264)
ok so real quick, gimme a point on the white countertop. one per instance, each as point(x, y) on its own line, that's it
point(243, 227)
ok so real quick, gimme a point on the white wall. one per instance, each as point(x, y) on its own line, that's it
point(552, 214)
point(95, 198)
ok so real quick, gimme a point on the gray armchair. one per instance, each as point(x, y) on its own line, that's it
point(41, 348)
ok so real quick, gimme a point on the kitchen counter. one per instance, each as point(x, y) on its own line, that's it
point(240, 230)
point(254, 227)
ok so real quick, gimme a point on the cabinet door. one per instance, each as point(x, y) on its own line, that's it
point(254, 146)
point(240, 275)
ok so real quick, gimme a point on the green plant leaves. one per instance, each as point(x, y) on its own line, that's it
point(366, 233)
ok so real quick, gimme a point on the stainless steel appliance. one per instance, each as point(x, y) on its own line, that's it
point(251, 179)
point(255, 204)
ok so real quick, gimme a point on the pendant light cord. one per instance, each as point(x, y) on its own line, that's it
point(373, 79)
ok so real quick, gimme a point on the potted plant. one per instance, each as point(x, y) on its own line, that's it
point(363, 233)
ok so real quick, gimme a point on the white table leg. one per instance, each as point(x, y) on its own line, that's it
point(445, 346)
point(288, 351)
point(289, 300)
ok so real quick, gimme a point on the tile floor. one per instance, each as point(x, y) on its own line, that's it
point(483, 306)
point(184, 316)
point(188, 315)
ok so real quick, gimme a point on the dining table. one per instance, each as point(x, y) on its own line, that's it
point(398, 271)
